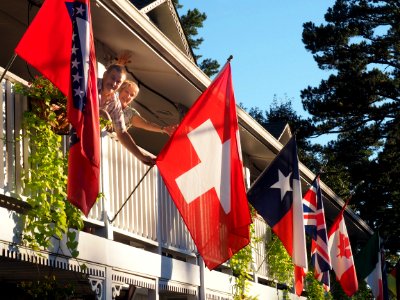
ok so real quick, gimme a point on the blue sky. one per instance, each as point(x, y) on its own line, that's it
point(264, 38)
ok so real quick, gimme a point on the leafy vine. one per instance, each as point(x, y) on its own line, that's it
point(45, 182)
point(280, 266)
point(240, 264)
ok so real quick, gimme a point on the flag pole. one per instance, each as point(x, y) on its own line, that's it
point(9, 64)
point(130, 195)
point(352, 192)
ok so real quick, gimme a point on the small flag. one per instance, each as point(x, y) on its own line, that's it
point(202, 169)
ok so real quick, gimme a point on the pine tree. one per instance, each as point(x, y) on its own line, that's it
point(359, 46)
point(191, 22)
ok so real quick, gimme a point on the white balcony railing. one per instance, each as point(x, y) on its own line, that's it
point(149, 216)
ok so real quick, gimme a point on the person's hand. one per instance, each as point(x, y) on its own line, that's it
point(170, 129)
point(148, 160)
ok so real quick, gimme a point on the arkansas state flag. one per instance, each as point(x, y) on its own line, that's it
point(314, 221)
point(369, 266)
point(59, 44)
point(276, 195)
point(341, 255)
point(202, 168)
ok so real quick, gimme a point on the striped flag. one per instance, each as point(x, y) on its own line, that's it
point(315, 226)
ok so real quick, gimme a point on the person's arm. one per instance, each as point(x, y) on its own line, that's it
point(140, 122)
point(127, 141)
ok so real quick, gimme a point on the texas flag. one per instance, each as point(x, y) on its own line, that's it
point(276, 195)
point(59, 44)
point(341, 255)
point(202, 169)
point(314, 221)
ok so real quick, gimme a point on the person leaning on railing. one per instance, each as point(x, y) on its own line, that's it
point(110, 106)
point(127, 92)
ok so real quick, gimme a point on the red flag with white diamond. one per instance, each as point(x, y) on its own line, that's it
point(202, 169)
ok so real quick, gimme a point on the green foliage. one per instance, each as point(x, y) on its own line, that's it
point(337, 292)
point(47, 288)
point(209, 66)
point(47, 102)
point(191, 21)
point(240, 264)
point(314, 288)
point(360, 99)
point(45, 183)
point(280, 266)
point(41, 88)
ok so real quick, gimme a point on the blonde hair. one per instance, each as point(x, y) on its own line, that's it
point(128, 83)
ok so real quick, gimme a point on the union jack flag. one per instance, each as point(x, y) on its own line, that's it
point(315, 226)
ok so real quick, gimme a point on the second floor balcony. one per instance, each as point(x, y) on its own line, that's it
point(146, 218)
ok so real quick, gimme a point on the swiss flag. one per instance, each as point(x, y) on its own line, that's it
point(59, 44)
point(202, 169)
point(341, 255)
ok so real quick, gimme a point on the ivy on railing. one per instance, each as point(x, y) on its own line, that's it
point(45, 181)
point(241, 263)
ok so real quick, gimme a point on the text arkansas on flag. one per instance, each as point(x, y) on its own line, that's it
point(59, 44)
point(202, 169)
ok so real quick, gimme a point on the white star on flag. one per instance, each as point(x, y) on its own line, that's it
point(76, 77)
point(75, 63)
point(283, 184)
point(80, 10)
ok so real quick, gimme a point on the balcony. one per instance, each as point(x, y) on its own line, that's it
point(148, 221)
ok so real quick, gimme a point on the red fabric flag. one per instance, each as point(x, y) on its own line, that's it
point(202, 168)
point(341, 255)
point(59, 44)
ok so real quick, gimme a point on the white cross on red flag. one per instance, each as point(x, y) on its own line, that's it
point(202, 169)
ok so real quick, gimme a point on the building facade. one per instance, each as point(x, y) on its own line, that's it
point(145, 252)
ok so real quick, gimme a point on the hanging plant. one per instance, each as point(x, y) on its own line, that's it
point(47, 102)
